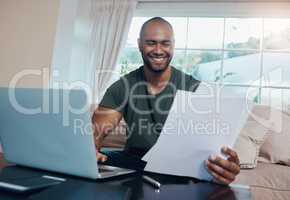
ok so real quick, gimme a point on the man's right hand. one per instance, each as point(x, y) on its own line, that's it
point(101, 157)
point(103, 120)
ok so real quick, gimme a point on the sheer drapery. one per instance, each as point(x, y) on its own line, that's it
point(109, 29)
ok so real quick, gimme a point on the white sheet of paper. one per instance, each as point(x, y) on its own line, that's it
point(198, 125)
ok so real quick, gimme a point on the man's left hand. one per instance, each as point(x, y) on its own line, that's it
point(224, 171)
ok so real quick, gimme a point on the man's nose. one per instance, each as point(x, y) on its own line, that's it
point(158, 49)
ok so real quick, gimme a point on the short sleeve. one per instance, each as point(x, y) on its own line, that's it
point(115, 97)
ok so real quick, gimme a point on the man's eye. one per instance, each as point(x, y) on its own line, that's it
point(150, 43)
point(166, 43)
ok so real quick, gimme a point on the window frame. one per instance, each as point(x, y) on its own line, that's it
point(255, 9)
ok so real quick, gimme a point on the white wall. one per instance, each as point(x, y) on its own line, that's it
point(27, 33)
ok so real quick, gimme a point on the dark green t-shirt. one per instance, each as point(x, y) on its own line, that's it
point(144, 114)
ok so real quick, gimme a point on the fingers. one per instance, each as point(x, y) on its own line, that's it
point(220, 179)
point(233, 156)
point(226, 165)
point(224, 171)
point(220, 174)
point(101, 157)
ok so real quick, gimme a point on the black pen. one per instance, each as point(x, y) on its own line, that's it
point(151, 181)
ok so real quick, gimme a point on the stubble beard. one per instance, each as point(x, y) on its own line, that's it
point(149, 65)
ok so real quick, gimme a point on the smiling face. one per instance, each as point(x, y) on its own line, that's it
point(156, 45)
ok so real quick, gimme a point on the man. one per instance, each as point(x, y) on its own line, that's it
point(144, 97)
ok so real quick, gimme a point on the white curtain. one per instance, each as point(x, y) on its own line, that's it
point(111, 20)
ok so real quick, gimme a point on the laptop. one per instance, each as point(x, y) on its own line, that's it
point(50, 129)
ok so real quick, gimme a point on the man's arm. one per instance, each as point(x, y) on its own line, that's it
point(104, 120)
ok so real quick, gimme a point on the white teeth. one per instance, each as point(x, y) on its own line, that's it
point(158, 59)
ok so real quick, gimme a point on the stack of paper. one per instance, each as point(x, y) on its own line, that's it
point(198, 125)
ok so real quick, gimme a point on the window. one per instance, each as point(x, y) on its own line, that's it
point(251, 53)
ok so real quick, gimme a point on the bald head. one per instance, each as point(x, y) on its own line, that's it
point(156, 45)
point(155, 20)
